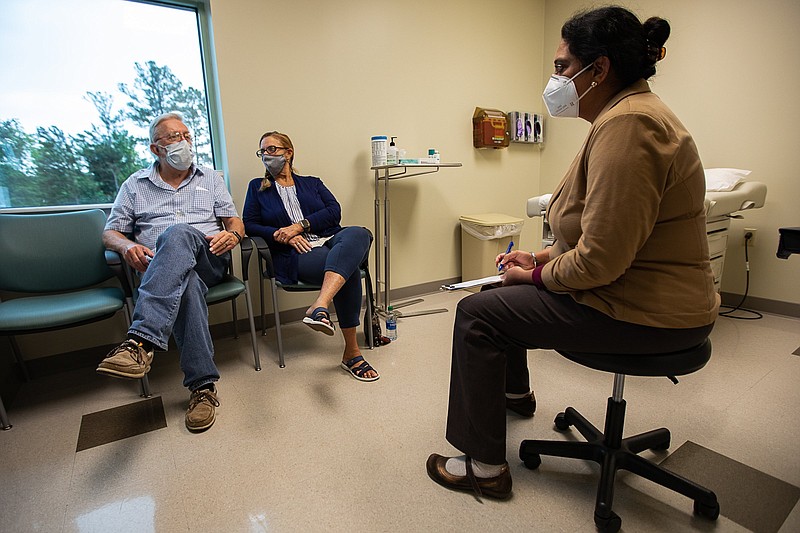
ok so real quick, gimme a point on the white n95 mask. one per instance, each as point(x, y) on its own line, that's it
point(561, 97)
point(179, 155)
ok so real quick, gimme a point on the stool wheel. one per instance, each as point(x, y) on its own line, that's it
point(561, 422)
point(706, 511)
point(533, 461)
point(610, 524)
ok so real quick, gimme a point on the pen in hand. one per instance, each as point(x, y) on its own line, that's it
point(500, 266)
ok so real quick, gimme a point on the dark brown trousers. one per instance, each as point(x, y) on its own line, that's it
point(493, 331)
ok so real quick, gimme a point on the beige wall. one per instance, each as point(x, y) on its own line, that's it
point(332, 74)
point(346, 71)
point(731, 75)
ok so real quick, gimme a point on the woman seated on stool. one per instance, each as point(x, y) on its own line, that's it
point(299, 218)
point(629, 270)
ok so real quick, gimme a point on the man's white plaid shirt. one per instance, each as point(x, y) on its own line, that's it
point(146, 205)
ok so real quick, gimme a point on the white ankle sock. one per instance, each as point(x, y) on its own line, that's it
point(458, 467)
point(512, 396)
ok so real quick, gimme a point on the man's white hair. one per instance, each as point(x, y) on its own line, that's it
point(161, 118)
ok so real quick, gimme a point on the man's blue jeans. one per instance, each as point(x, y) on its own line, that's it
point(172, 300)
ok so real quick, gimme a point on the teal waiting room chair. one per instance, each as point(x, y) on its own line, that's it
point(232, 287)
point(267, 272)
point(54, 274)
point(228, 290)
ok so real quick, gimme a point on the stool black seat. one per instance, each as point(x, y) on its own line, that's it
point(609, 449)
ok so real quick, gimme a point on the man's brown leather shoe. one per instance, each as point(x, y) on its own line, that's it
point(494, 487)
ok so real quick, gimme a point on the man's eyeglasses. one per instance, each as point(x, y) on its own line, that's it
point(176, 137)
point(269, 150)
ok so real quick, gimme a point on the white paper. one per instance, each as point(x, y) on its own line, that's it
point(473, 283)
point(724, 179)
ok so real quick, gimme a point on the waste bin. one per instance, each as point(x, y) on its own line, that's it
point(483, 237)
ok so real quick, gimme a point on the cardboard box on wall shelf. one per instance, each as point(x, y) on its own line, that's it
point(489, 128)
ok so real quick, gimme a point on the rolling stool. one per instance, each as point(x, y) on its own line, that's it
point(609, 449)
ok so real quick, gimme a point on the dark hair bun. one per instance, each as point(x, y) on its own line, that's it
point(632, 47)
point(657, 31)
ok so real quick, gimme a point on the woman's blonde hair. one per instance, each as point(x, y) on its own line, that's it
point(266, 183)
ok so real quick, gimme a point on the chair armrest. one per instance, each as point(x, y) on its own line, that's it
point(113, 259)
point(120, 269)
point(246, 248)
point(265, 265)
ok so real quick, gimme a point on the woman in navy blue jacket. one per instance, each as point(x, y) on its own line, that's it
point(299, 218)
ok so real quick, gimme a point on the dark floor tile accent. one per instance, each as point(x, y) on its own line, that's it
point(750, 498)
point(796, 352)
point(121, 422)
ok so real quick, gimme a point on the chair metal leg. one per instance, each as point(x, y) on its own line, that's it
point(277, 314)
point(248, 300)
point(368, 327)
point(235, 319)
point(144, 383)
point(128, 308)
point(369, 300)
point(18, 357)
point(261, 301)
point(4, 423)
point(145, 387)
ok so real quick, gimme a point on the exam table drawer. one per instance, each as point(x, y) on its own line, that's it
point(717, 243)
point(716, 268)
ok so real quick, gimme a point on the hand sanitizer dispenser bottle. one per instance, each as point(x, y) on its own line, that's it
point(391, 153)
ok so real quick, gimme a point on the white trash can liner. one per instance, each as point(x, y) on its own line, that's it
point(491, 226)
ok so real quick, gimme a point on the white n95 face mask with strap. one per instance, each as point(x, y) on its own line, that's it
point(561, 97)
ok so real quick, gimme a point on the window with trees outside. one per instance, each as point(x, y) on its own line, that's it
point(82, 80)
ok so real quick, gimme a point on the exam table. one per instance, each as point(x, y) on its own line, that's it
point(720, 207)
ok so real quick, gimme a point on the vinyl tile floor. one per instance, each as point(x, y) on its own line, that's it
point(308, 448)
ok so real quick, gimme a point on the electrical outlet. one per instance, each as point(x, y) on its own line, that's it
point(752, 240)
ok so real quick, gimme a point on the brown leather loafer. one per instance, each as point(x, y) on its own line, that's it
point(498, 487)
point(524, 406)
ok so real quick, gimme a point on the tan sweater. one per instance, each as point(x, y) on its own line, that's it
point(629, 220)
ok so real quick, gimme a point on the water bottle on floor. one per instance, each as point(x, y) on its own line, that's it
point(391, 324)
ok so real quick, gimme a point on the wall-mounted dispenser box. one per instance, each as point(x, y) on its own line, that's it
point(525, 127)
point(489, 128)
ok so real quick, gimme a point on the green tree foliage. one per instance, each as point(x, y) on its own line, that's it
point(15, 147)
point(195, 113)
point(108, 150)
point(58, 172)
point(52, 168)
point(156, 91)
